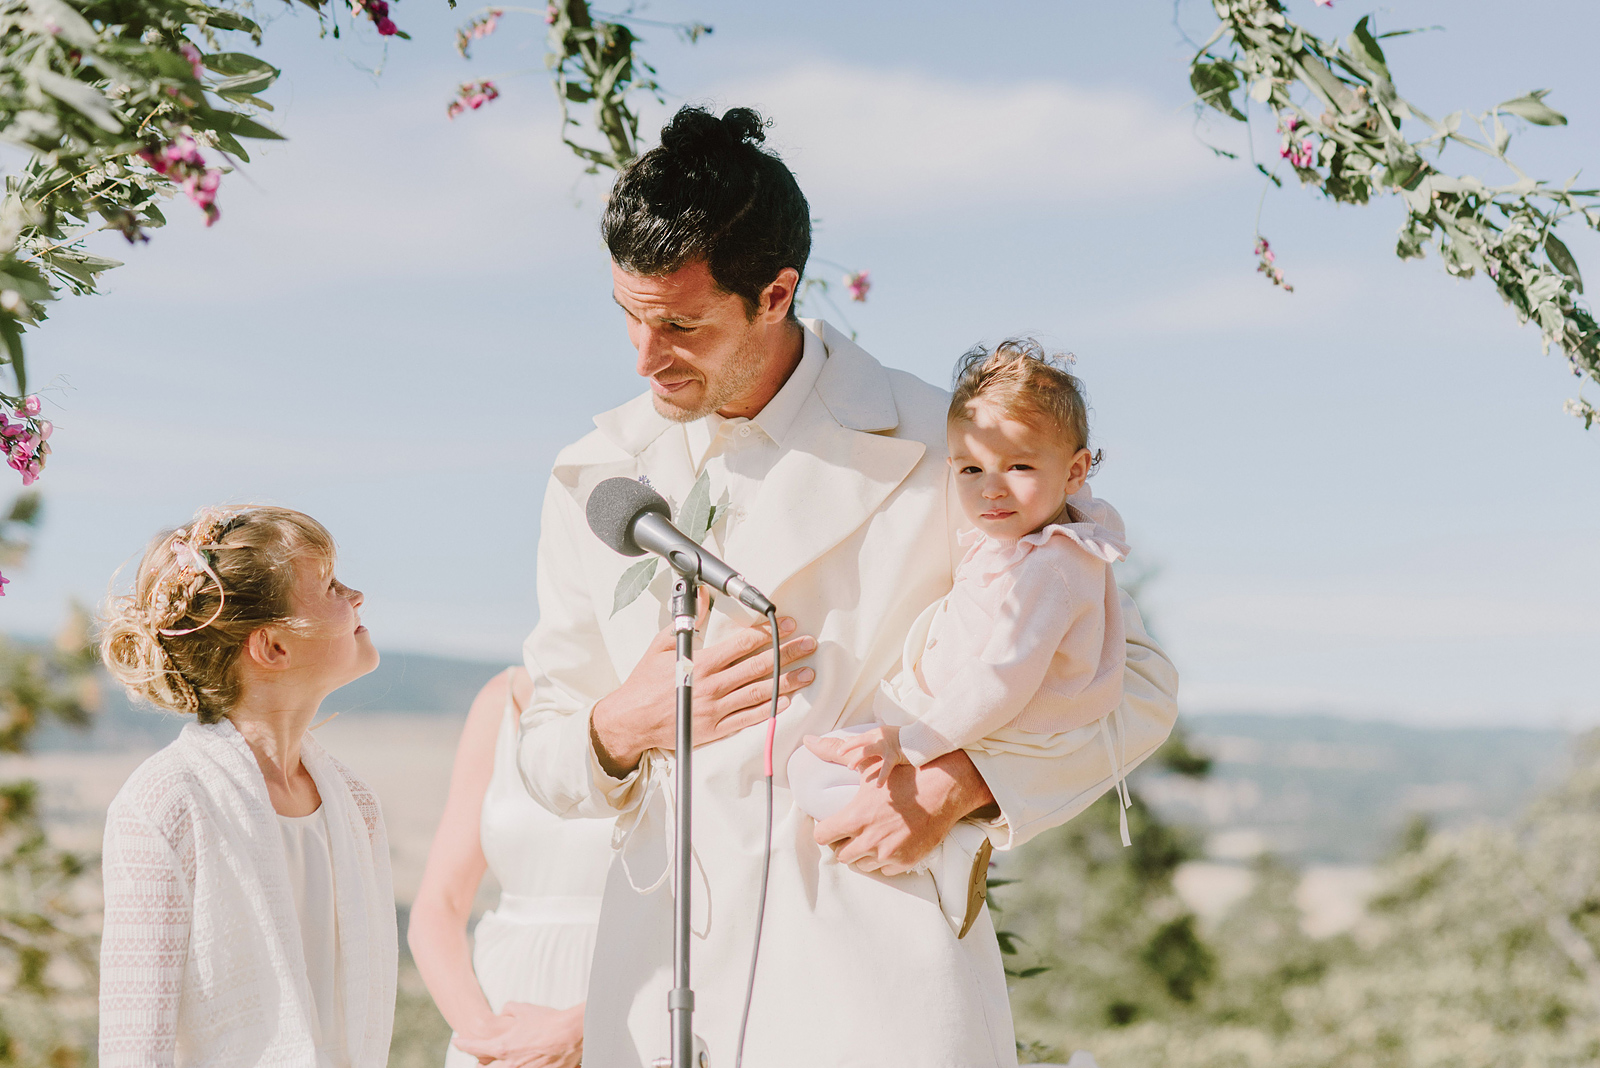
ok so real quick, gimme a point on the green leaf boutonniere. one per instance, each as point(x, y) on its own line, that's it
point(696, 516)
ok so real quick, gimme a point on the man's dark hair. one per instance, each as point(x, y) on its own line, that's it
point(710, 191)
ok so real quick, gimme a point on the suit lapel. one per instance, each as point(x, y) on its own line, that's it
point(833, 472)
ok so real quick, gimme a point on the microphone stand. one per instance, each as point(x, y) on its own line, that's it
point(680, 1001)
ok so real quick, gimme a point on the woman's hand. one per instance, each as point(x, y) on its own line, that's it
point(529, 1036)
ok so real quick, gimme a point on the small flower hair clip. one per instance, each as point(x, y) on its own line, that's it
point(188, 561)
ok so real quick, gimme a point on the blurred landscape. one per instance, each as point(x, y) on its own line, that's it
point(1283, 820)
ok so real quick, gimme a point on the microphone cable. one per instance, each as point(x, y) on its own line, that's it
point(766, 860)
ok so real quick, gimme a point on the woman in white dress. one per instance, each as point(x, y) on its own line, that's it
point(516, 996)
point(249, 913)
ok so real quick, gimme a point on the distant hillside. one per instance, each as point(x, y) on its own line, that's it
point(1321, 788)
point(404, 682)
point(1309, 788)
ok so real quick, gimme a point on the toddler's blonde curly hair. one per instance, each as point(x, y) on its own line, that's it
point(1027, 383)
point(199, 592)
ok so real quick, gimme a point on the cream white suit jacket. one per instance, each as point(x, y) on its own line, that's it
point(852, 534)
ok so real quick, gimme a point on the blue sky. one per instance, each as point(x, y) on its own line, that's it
point(1362, 497)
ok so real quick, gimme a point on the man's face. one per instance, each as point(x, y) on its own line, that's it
point(697, 345)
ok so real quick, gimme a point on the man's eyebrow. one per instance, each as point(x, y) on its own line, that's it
point(674, 320)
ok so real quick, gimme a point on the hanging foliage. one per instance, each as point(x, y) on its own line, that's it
point(120, 104)
point(1343, 125)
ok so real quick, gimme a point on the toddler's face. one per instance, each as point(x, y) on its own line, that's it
point(1012, 478)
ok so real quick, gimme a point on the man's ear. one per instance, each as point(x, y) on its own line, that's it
point(779, 295)
point(265, 650)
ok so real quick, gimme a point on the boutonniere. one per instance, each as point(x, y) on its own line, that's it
point(696, 516)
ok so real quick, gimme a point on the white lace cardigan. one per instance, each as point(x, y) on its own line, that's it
point(201, 961)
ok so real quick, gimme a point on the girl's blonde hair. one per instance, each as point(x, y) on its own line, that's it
point(1026, 383)
point(200, 591)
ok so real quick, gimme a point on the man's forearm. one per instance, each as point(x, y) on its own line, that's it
point(966, 792)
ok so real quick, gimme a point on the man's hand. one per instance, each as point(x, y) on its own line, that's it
point(732, 690)
point(889, 826)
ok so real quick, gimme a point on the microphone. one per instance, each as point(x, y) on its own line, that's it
point(634, 519)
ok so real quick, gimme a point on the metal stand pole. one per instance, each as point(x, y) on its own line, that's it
point(680, 1001)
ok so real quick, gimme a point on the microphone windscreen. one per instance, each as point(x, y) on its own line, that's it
point(614, 506)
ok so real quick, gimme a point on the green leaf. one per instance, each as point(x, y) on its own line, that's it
point(1366, 49)
point(694, 515)
point(85, 99)
point(633, 582)
point(233, 64)
point(1559, 255)
point(11, 339)
point(246, 98)
point(236, 125)
point(1214, 84)
point(1533, 108)
point(246, 84)
point(220, 19)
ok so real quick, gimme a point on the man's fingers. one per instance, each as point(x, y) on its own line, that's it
point(739, 721)
point(755, 669)
point(758, 695)
point(735, 647)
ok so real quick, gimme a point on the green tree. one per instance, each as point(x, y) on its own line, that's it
point(47, 929)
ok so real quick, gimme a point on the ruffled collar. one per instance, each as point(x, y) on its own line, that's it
point(993, 557)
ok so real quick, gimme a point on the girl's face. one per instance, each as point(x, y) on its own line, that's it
point(334, 648)
point(1012, 478)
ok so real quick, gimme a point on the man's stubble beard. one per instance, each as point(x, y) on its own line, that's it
point(738, 377)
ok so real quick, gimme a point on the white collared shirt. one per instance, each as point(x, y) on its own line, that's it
point(738, 453)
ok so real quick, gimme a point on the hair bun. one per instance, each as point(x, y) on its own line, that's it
point(695, 131)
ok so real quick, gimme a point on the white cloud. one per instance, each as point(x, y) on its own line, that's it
point(865, 140)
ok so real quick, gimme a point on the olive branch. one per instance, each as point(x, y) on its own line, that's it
point(1343, 135)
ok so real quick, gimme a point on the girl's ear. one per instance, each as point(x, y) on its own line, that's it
point(265, 650)
point(1078, 471)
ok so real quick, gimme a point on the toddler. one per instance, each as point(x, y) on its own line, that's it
point(1029, 643)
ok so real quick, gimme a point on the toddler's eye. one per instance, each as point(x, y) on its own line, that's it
point(971, 470)
point(1022, 467)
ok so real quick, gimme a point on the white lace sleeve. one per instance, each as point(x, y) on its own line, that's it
point(148, 905)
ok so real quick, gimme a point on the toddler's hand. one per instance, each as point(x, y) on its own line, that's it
point(873, 753)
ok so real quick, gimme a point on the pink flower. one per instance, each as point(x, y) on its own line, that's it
point(46, 428)
point(1323, 3)
point(192, 54)
point(386, 27)
point(379, 8)
point(30, 406)
point(858, 283)
point(3, 581)
point(550, 14)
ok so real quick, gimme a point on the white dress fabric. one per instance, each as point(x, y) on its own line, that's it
point(536, 945)
point(201, 959)
point(310, 865)
point(851, 531)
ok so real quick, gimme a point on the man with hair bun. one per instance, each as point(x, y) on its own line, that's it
point(835, 501)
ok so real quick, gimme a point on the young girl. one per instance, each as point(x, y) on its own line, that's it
point(249, 908)
point(1028, 644)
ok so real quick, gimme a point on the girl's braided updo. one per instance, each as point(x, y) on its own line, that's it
point(199, 592)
